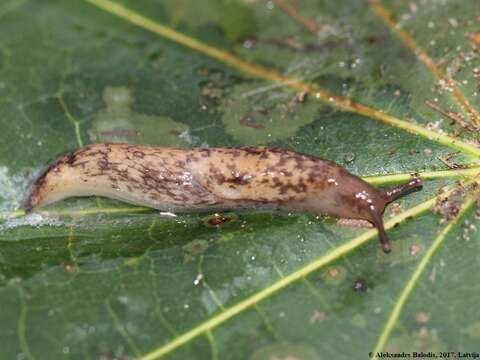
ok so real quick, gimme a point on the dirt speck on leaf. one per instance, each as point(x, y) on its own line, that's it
point(360, 285)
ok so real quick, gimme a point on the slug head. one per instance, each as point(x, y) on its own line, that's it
point(369, 204)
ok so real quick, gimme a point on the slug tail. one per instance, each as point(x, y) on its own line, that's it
point(28, 204)
point(42, 188)
point(32, 199)
point(395, 192)
point(376, 219)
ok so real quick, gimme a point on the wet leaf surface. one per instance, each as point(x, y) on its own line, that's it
point(350, 81)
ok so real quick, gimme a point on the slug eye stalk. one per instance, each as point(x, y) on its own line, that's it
point(390, 195)
point(378, 223)
point(395, 192)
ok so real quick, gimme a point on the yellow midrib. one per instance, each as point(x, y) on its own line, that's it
point(287, 280)
point(410, 285)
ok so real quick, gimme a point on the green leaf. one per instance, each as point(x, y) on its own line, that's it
point(385, 88)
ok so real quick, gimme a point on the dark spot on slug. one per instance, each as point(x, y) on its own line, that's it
point(264, 155)
point(240, 179)
point(250, 150)
point(103, 165)
point(232, 167)
point(283, 160)
point(204, 153)
point(312, 177)
point(69, 158)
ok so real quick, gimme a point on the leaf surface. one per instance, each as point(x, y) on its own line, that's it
point(385, 88)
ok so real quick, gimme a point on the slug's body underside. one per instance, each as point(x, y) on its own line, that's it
point(215, 179)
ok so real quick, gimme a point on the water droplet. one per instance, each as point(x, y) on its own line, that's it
point(349, 157)
point(248, 43)
point(422, 317)
point(198, 279)
point(123, 300)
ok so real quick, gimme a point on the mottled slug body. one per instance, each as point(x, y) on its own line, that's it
point(214, 179)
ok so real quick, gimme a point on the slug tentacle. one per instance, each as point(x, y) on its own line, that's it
point(378, 223)
point(214, 179)
point(395, 192)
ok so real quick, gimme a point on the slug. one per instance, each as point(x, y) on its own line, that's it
point(215, 179)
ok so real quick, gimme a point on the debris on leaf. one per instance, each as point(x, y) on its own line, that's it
point(317, 316)
point(335, 275)
point(422, 317)
point(360, 285)
point(216, 220)
point(475, 39)
point(414, 249)
point(449, 206)
point(446, 160)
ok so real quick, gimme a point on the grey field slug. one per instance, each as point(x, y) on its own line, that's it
point(214, 179)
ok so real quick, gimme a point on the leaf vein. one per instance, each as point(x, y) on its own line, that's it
point(411, 283)
point(299, 274)
point(264, 73)
point(382, 12)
